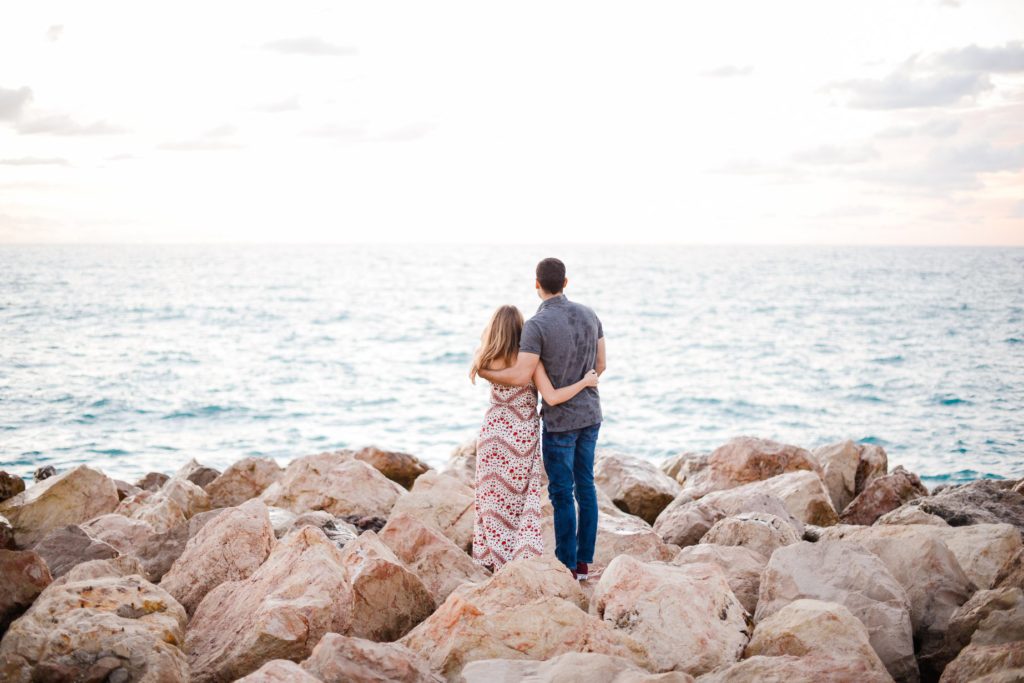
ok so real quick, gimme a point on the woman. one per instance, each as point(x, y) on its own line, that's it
point(508, 461)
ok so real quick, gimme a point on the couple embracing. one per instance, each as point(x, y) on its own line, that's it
point(559, 352)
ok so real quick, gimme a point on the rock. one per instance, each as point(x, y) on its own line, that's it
point(296, 596)
point(229, 548)
point(635, 486)
point(1006, 604)
point(122, 565)
point(444, 503)
point(10, 485)
point(343, 659)
point(1001, 663)
point(23, 576)
point(684, 465)
point(462, 463)
point(684, 522)
point(847, 467)
point(400, 468)
point(282, 520)
point(686, 616)
point(984, 501)
point(982, 549)
point(813, 668)
point(152, 481)
point(622, 535)
point(75, 496)
point(279, 671)
point(741, 567)
point(176, 502)
point(746, 459)
point(337, 530)
point(440, 564)
point(98, 629)
point(759, 531)
point(200, 475)
point(336, 483)
point(811, 627)
point(44, 472)
point(572, 667)
point(882, 495)
point(242, 480)
point(1011, 574)
point(387, 599)
point(909, 514)
point(6, 534)
point(124, 489)
point(66, 546)
point(848, 574)
point(803, 494)
point(363, 523)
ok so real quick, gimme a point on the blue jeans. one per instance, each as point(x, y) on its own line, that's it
point(569, 462)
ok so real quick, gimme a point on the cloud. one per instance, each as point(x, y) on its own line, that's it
point(213, 140)
point(62, 124)
point(933, 128)
point(13, 101)
point(905, 88)
point(1018, 210)
point(121, 157)
point(54, 32)
point(949, 168)
point(1006, 59)
point(312, 46)
point(832, 155)
point(730, 71)
point(287, 104)
point(34, 161)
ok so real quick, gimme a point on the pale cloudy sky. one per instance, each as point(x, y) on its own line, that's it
point(867, 121)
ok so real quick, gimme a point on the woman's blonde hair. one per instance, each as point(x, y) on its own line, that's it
point(499, 341)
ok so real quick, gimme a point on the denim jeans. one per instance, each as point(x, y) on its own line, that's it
point(569, 462)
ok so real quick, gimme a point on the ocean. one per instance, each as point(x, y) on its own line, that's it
point(135, 358)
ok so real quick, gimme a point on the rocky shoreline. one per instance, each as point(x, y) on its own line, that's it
point(759, 561)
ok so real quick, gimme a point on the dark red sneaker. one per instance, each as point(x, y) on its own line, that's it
point(582, 571)
point(574, 574)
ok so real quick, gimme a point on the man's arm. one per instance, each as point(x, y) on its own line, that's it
point(519, 375)
point(599, 363)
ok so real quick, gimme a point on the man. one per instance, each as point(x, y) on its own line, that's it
point(569, 339)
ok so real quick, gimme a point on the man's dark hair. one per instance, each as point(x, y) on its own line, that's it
point(551, 275)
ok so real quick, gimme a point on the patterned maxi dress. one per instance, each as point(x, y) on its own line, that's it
point(508, 479)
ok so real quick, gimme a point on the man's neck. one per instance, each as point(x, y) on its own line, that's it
point(544, 296)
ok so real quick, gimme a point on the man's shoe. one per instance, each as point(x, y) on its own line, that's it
point(582, 571)
point(574, 574)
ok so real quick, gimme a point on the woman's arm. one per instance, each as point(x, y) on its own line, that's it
point(555, 396)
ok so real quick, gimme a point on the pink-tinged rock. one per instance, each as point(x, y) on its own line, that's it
point(124, 489)
point(343, 659)
point(741, 567)
point(229, 548)
point(439, 563)
point(635, 485)
point(803, 494)
point(815, 668)
point(444, 503)
point(684, 466)
point(626, 535)
point(23, 576)
point(242, 480)
point(847, 467)
point(115, 567)
point(983, 501)
point(400, 468)
point(982, 549)
point(992, 612)
point(66, 546)
point(758, 531)
point(882, 495)
point(909, 514)
point(572, 667)
point(684, 522)
point(279, 671)
point(1011, 573)
point(71, 497)
point(1000, 663)
point(848, 574)
point(173, 504)
point(462, 463)
point(10, 485)
point(152, 481)
point(336, 529)
point(6, 534)
point(336, 483)
point(106, 628)
point(686, 616)
point(280, 612)
point(746, 459)
point(123, 533)
point(198, 474)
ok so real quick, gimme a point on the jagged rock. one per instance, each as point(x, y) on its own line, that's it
point(282, 520)
point(242, 480)
point(741, 567)
point(124, 489)
point(229, 548)
point(6, 534)
point(444, 503)
point(909, 514)
point(200, 475)
point(686, 616)
point(758, 531)
point(984, 501)
point(336, 529)
point(1011, 574)
point(152, 481)
point(804, 495)
point(296, 596)
point(122, 565)
point(363, 523)
point(279, 671)
point(462, 463)
point(72, 497)
point(623, 535)
point(176, 502)
point(847, 467)
point(636, 486)
point(44, 472)
point(439, 563)
point(343, 659)
point(746, 459)
point(684, 522)
point(883, 494)
point(848, 574)
point(683, 466)
point(400, 468)
point(572, 667)
point(336, 483)
point(23, 576)
point(982, 549)
point(1000, 663)
point(98, 629)
point(10, 485)
point(66, 546)
point(814, 668)
point(988, 611)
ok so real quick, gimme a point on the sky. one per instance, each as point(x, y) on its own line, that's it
point(840, 122)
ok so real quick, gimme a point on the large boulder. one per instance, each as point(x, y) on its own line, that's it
point(198, 474)
point(439, 563)
point(400, 468)
point(66, 546)
point(152, 481)
point(279, 671)
point(344, 659)
point(72, 497)
point(686, 616)
point(107, 628)
point(683, 466)
point(803, 494)
point(572, 667)
point(444, 503)
point(462, 463)
point(909, 514)
point(280, 612)
point(882, 495)
point(741, 566)
point(336, 529)
point(984, 501)
point(177, 501)
point(23, 576)
point(334, 482)
point(10, 485)
point(229, 548)
point(996, 663)
point(847, 467)
point(982, 549)
point(746, 459)
point(116, 567)
point(623, 535)
point(814, 668)
point(758, 531)
point(995, 611)
point(684, 522)
point(635, 485)
point(845, 573)
point(242, 480)
point(1011, 574)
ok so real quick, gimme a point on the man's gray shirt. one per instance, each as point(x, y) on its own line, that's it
point(564, 334)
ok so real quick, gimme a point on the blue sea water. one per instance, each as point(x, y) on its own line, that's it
point(137, 358)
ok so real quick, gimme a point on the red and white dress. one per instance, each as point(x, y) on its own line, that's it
point(508, 479)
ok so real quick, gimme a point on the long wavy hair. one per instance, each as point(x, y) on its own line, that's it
point(499, 341)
